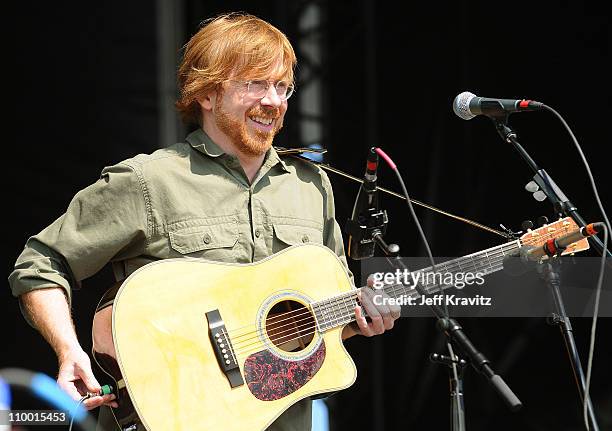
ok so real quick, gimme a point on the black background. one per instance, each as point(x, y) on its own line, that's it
point(81, 94)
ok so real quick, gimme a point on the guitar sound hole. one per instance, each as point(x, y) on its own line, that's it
point(290, 326)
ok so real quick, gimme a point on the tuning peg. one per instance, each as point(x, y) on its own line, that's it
point(542, 220)
point(539, 196)
point(527, 225)
point(532, 187)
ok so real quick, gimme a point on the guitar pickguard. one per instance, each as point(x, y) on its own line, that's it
point(271, 378)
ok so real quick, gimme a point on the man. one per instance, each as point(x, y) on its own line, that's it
point(224, 194)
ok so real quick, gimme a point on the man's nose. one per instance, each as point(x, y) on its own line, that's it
point(271, 98)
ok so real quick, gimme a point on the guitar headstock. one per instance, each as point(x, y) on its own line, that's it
point(537, 237)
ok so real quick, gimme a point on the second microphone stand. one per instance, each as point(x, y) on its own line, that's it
point(455, 335)
point(549, 271)
point(366, 229)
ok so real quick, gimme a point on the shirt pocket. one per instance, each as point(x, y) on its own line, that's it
point(295, 232)
point(214, 242)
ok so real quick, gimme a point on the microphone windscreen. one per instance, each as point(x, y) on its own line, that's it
point(461, 105)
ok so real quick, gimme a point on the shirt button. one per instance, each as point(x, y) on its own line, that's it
point(257, 233)
point(305, 238)
point(206, 238)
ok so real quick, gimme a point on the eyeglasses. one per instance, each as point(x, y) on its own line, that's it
point(258, 89)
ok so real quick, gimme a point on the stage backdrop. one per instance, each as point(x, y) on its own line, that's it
point(84, 94)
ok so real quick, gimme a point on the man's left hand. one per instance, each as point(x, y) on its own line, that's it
point(382, 314)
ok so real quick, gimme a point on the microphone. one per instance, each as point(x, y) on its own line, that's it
point(467, 106)
point(361, 224)
point(556, 246)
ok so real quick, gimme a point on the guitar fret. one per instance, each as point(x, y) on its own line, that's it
point(394, 289)
point(317, 314)
point(488, 260)
point(328, 315)
point(324, 314)
point(333, 306)
point(345, 311)
point(349, 312)
point(459, 263)
point(336, 311)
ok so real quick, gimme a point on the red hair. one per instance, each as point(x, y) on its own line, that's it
point(230, 45)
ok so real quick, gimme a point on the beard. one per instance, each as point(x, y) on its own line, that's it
point(257, 142)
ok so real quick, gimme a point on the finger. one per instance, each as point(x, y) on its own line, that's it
point(377, 324)
point(109, 400)
point(89, 380)
point(93, 402)
point(97, 401)
point(386, 310)
point(362, 323)
point(68, 387)
point(396, 311)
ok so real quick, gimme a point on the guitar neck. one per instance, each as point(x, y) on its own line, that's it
point(339, 310)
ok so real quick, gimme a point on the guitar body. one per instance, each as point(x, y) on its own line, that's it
point(205, 345)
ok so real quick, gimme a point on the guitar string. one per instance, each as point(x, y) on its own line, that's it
point(352, 295)
point(291, 314)
point(304, 315)
point(337, 321)
point(297, 324)
point(494, 267)
point(285, 316)
point(258, 344)
point(305, 311)
point(351, 298)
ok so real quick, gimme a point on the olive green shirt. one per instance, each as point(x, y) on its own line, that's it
point(190, 199)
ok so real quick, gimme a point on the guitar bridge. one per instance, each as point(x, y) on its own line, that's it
point(222, 346)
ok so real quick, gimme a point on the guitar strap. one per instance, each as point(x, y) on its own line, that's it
point(109, 296)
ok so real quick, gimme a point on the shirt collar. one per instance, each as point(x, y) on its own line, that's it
point(200, 141)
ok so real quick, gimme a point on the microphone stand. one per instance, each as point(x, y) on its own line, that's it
point(555, 195)
point(371, 231)
point(454, 333)
point(548, 270)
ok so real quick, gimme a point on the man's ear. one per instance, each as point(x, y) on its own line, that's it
point(207, 102)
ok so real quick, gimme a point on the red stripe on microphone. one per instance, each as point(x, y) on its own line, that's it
point(590, 229)
point(551, 248)
point(524, 103)
point(371, 166)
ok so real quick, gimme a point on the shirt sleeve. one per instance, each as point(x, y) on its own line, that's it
point(332, 234)
point(104, 222)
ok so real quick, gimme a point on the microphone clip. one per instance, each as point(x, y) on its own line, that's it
point(364, 230)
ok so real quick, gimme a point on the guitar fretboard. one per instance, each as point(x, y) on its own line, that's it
point(339, 310)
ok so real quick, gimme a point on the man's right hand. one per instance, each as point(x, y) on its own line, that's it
point(48, 311)
point(76, 378)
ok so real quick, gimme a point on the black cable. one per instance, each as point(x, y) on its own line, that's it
point(416, 222)
point(76, 408)
point(607, 229)
point(47, 389)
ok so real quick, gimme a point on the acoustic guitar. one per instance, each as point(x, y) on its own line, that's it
point(199, 345)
